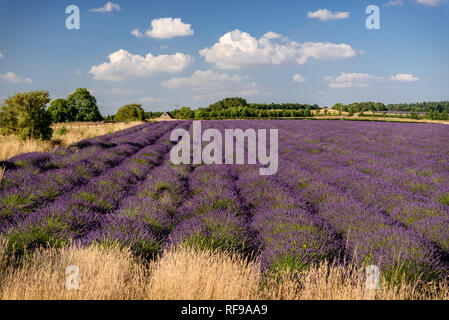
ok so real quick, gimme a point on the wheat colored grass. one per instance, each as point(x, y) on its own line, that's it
point(11, 146)
point(186, 273)
point(104, 275)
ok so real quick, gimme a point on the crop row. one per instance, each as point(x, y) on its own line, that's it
point(77, 213)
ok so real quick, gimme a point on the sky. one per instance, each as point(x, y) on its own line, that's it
point(164, 54)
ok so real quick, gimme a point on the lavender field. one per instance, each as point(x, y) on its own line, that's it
point(345, 191)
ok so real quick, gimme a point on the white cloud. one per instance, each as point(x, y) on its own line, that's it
point(1, 56)
point(393, 3)
point(272, 35)
point(238, 49)
point(137, 33)
point(165, 28)
point(14, 78)
point(404, 77)
point(326, 15)
point(214, 84)
point(324, 50)
point(349, 80)
point(299, 78)
point(202, 80)
point(147, 99)
point(119, 91)
point(108, 7)
point(432, 3)
point(122, 65)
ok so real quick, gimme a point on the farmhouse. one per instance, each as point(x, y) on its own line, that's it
point(165, 116)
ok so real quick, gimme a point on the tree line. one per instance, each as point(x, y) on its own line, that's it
point(420, 110)
point(234, 108)
point(26, 113)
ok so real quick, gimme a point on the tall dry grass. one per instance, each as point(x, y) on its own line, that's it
point(11, 146)
point(188, 273)
point(104, 275)
point(185, 273)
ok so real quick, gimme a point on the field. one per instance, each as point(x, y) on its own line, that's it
point(347, 195)
point(11, 146)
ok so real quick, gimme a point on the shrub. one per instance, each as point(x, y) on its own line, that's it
point(61, 131)
point(25, 115)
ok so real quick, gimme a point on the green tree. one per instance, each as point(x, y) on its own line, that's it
point(60, 111)
point(85, 105)
point(26, 116)
point(185, 113)
point(228, 103)
point(130, 112)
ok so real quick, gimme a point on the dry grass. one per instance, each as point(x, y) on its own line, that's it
point(185, 273)
point(11, 146)
point(80, 131)
point(104, 275)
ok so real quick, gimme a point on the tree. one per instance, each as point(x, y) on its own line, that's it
point(130, 112)
point(228, 103)
point(185, 113)
point(25, 115)
point(60, 111)
point(85, 105)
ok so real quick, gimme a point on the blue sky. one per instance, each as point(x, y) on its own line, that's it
point(168, 53)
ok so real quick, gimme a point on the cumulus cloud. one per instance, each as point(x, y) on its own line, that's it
point(238, 49)
point(202, 80)
point(404, 77)
point(137, 33)
point(147, 99)
point(326, 15)
point(122, 65)
point(299, 78)
point(349, 80)
point(14, 78)
point(272, 35)
point(432, 3)
point(393, 3)
point(108, 7)
point(214, 84)
point(165, 28)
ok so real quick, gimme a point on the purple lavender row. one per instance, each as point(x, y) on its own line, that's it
point(213, 217)
point(371, 237)
point(291, 236)
point(78, 213)
point(30, 167)
point(374, 237)
point(382, 191)
point(145, 217)
point(18, 202)
point(47, 187)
